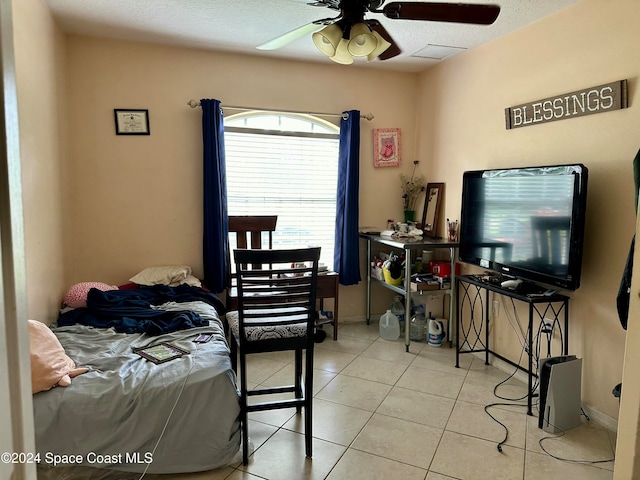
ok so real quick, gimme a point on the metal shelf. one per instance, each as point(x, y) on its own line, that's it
point(395, 288)
point(408, 244)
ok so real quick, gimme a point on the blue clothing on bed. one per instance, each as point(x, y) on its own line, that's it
point(129, 311)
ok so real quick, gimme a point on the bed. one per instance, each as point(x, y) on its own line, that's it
point(129, 414)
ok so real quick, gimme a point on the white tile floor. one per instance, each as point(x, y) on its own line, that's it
point(383, 413)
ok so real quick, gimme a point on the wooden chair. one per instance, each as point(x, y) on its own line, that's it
point(276, 312)
point(248, 232)
point(551, 240)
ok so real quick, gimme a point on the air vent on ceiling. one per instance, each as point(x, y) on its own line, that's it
point(438, 52)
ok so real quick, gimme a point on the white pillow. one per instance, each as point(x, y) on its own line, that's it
point(192, 281)
point(171, 275)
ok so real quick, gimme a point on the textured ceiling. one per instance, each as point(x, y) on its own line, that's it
point(242, 25)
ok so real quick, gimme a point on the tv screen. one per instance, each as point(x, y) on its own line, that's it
point(526, 223)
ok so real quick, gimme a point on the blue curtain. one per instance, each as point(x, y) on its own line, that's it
point(215, 245)
point(346, 259)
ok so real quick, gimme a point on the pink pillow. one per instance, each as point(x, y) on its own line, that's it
point(50, 365)
point(76, 297)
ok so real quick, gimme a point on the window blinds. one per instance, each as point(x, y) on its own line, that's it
point(290, 175)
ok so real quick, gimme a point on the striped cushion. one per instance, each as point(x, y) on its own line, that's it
point(254, 333)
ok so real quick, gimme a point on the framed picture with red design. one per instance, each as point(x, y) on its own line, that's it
point(387, 147)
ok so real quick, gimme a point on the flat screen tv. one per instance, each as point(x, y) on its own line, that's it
point(526, 223)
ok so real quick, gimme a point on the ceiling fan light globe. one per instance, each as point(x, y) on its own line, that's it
point(361, 40)
point(382, 46)
point(342, 54)
point(327, 39)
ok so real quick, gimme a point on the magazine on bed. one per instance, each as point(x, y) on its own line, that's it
point(161, 353)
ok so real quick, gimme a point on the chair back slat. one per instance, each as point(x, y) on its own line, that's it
point(277, 294)
point(249, 230)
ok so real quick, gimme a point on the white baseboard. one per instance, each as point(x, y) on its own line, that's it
point(600, 418)
point(375, 317)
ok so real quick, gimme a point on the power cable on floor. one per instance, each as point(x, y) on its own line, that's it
point(570, 460)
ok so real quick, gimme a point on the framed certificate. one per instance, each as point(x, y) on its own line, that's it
point(132, 121)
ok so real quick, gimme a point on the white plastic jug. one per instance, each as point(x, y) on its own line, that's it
point(436, 332)
point(389, 326)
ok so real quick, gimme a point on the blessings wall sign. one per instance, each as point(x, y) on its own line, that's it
point(603, 98)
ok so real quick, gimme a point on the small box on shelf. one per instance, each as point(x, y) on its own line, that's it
point(376, 272)
point(423, 281)
point(419, 287)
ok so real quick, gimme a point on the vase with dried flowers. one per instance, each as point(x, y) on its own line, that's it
point(412, 187)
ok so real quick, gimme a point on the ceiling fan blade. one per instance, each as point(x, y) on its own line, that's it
point(442, 12)
point(333, 4)
point(393, 50)
point(289, 37)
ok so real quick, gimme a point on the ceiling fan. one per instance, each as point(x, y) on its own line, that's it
point(350, 34)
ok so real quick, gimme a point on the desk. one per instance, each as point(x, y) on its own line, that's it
point(328, 287)
point(476, 306)
point(408, 244)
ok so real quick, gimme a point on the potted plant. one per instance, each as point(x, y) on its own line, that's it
point(412, 187)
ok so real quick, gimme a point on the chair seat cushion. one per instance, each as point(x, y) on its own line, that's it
point(265, 332)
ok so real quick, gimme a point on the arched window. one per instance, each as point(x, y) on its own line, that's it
point(285, 165)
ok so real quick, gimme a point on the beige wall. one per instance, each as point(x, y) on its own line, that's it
point(39, 53)
point(136, 200)
point(461, 127)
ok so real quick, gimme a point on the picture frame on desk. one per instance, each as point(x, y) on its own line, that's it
point(431, 211)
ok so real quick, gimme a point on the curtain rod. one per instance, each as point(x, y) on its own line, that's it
point(368, 116)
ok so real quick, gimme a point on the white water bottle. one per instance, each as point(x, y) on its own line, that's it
point(389, 326)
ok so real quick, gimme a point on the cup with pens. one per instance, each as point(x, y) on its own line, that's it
point(452, 230)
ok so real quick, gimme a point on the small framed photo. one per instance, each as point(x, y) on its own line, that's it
point(161, 353)
point(132, 121)
point(387, 147)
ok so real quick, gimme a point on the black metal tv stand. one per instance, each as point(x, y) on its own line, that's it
point(472, 321)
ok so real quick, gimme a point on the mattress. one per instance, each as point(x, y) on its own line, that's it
point(128, 414)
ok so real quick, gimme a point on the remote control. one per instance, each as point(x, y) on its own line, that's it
point(203, 338)
point(510, 283)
